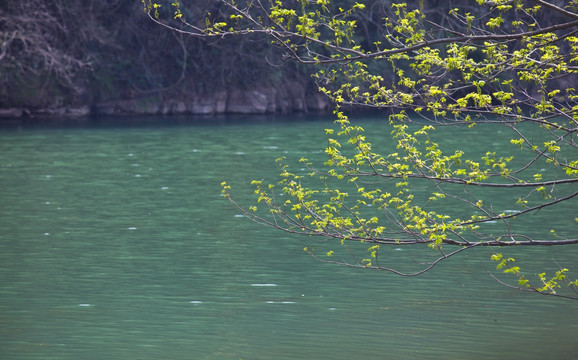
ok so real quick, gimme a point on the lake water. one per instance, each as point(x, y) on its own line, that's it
point(115, 243)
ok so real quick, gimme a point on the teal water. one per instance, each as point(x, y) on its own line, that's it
point(115, 243)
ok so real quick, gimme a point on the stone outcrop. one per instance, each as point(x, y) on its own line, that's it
point(11, 113)
point(292, 98)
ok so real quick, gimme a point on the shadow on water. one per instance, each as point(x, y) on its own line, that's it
point(131, 122)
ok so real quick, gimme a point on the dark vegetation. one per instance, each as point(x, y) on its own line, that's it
point(59, 53)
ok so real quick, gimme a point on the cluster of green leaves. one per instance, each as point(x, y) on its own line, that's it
point(549, 285)
point(498, 62)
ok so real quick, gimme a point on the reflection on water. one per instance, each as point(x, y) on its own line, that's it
point(115, 243)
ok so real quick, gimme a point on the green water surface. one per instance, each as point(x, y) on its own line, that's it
point(115, 243)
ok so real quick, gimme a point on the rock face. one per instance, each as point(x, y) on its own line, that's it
point(250, 102)
point(292, 98)
point(11, 113)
